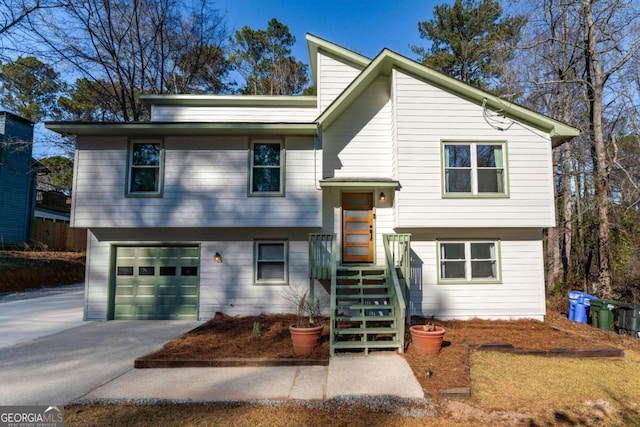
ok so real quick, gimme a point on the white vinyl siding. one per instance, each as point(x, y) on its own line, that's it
point(176, 113)
point(426, 116)
point(358, 144)
point(334, 76)
point(205, 185)
point(519, 294)
point(227, 287)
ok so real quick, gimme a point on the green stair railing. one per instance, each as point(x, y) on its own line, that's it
point(397, 257)
point(322, 264)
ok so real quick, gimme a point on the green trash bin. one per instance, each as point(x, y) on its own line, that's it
point(595, 313)
point(604, 313)
point(629, 322)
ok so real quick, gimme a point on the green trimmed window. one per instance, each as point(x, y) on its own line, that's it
point(468, 261)
point(266, 168)
point(474, 168)
point(271, 262)
point(145, 163)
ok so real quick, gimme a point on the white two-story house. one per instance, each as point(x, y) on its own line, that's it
point(395, 191)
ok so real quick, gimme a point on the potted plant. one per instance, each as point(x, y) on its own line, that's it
point(427, 339)
point(305, 333)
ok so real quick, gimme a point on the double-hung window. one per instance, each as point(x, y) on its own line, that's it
point(474, 168)
point(271, 262)
point(266, 176)
point(468, 261)
point(145, 167)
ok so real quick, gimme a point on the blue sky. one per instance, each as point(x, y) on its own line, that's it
point(365, 26)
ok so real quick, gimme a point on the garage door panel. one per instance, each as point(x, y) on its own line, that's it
point(156, 282)
point(189, 290)
point(145, 290)
point(125, 289)
point(124, 310)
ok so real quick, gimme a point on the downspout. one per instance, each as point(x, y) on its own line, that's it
point(317, 138)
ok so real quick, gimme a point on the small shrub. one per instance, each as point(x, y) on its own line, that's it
point(257, 329)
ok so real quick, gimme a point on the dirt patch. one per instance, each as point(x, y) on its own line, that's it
point(445, 373)
point(20, 270)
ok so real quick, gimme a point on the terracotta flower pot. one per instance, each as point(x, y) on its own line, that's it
point(425, 341)
point(305, 340)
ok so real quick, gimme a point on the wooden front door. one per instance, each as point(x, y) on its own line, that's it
point(357, 227)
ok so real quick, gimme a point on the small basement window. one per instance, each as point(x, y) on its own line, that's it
point(469, 261)
point(270, 265)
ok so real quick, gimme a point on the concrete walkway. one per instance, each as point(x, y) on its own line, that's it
point(47, 359)
point(379, 374)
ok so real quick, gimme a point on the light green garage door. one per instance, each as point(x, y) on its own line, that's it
point(156, 282)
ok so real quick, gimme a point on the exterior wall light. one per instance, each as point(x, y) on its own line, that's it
point(217, 258)
point(382, 197)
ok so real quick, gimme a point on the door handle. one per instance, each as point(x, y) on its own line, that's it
point(370, 233)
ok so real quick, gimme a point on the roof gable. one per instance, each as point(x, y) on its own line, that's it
point(387, 60)
point(315, 44)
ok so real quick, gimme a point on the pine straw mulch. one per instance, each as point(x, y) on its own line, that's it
point(231, 341)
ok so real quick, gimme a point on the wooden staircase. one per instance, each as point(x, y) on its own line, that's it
point(364, 318)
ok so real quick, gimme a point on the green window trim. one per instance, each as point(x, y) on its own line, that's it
point(467, 258)
point(266, 168)
point(145, 168)
point(465, 162)
point(271, 262)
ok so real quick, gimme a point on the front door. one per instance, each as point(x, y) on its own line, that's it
point(357, 227)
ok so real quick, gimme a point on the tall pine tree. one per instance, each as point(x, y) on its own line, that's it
point(470, 41)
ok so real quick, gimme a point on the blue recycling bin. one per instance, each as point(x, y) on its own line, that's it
point(579, 305)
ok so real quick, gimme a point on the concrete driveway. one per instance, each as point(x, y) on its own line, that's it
point(30, 318)
point(49, 356)
point(48, 360)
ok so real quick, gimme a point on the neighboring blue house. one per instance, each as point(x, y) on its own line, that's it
point(17, 179)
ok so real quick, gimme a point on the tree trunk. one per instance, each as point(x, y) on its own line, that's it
point(552, 240)
point(567, 211)
point(596, 80)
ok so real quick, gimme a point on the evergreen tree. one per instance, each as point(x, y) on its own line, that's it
point(470, 41)
point(30, 88)
point(263, 58)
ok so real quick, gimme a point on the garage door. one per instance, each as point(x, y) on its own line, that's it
point(156, 282)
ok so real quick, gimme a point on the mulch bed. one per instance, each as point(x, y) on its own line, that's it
point(234, 341)
point(231, 341)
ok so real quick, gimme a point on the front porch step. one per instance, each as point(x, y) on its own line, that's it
point(365, 331)
point(378, 277)
point(365, 318)
point(366, 345)
point(363, 296)
point(364, 307)
point(365, 286)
